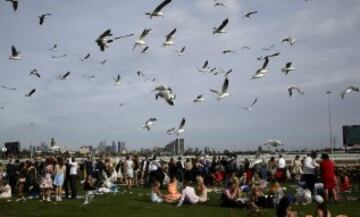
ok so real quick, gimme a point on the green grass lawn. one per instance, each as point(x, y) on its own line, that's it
point(137, 204)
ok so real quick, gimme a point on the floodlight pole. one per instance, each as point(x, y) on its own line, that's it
point(330, 125)
point(32, 137)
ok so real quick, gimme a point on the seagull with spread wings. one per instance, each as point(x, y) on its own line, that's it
point(102, 40)
point(181, 51)
point(262, 71)
point(30, 93)
point(224, 90)
point(149, 123)
point(35, 73)
point(117, 80)
point(291, 40)
point(249, 14)
point(8, 88)
point(292, 88)
point(205, 67)
point(15, 4)
point(42, 18)
point(157, 11)
point(221, 27)
point(199, 98)
point(169, 39)
point(140, 41)
point(349, 90)
point(15, 54)
point(249, 108)
point(287, 68)
point(64, 76)
point(85, 57)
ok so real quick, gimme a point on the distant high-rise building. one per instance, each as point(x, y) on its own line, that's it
point(121, 147)
point(113, 147)
point(176, 147)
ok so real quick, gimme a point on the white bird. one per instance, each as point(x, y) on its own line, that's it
point(149, 123)
point(221, 27)
point(199, 98)
point(169, 39)
point(222, 71)
point(181, 51)
point(269, 48)
point(229, 51)
point(166, 93)
point(85, 57)
point(14, 3)
point(53, 48)
point(262, 71)
point(292, 88)
point(291, 40)
point(288, 68)
point(15, 55)
point(273, 143)
point(102, 40)
point(8, 88)
point(157, 11)
point(42, 18)
point(204, 67)
point(35, 72)
point(58, 56)
point(30, 93)
point(181, 127)
point(64, 76)
point(140, 41)
point(349, 90)
point(251, 105)
point(223, 93)
point(117, 80)
point(171, 131)
point(249, 14)
point(217, 4)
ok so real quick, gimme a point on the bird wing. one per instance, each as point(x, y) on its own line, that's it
point(223, 24)
point(288, 65)
point(182, 123)
point(266, 62)
point(205, 64)
point(225, 85)
point(106, 33)
point(215, 91)
point(290, 91)
point(161, 6)
point(169, 36)
point(144, 33)
point(13, 51)
point(254, 102)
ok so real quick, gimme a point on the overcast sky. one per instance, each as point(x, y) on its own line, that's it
point(80, 111)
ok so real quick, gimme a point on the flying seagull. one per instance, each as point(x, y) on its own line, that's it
point(102, 41)
point(221, 27)
point(349, 90)
point(30, 93)
point(140, 41)
point(157, 11)
point(169, 39)
point(35, 72)
point(117, 80)
point(273, 143)
point(8, 88)
point(53, 48)
point(222, 71)
point(171, 131)
point(292, 88)
point(85, 57)
point(144, 50)
point(103, 62)
point(251, 105)
point(149, 123)
point(199, 98)
point(219, 4)
point(58, 56)
point(269, 48)
point(15, 54)
point(14, 3)
point(245, 47)
point(42, 18)
point(291, 40)
point(64, 76)
point(181, 51)
point(124, 36)
point(229, 51)
point(262, 71)
point(204, 67)
point(249, 14)
point(166, 93)
point(288, 68)
point(223, 93)
point(140, 73)
point(181, 127)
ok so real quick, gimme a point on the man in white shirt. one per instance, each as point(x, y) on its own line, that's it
point(73, 177)
point(309, 171)
point(188, 195)
point(281, 167)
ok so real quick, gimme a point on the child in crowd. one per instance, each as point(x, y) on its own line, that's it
point(155, 194)
point(5, 189)
point(46, 185)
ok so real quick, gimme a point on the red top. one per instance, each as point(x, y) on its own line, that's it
point(328, 174)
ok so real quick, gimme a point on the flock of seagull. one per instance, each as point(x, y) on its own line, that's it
point(164, 92)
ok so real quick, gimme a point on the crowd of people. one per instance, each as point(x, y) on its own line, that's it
point(253, 184)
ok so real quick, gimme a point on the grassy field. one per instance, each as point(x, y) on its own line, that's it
point(136, 204)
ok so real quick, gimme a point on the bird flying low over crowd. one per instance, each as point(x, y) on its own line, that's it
point(85, 57)
point(249, 108)
point(179, 130)
point(149, 123)
point(35, 73)
point(157, 11)
point(117, 80)
point(249, 14)
point(64, 76)
point(15, 54)
point(8, 88)
point(102, 41)
point(140, 41)
point(287, 68)
point(205, 67)
point(30, 93)
point(224, 90)
point(199, 98)
point(14, 4)
point(166, 93)
point(349, 90)
point(292, 88)
point(221, 27)
point(181, 51)
point(291, 40)
point(42, 18)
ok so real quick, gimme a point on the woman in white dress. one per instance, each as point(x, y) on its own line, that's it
point(129, 168)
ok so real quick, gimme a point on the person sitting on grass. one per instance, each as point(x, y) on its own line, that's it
point(88, 184)
point(5, 189)
point(201, 190)
point(188, 195)
point(172, 188)
point(230, 195)
point(321, 207)
point(284, 208)
point(155, 194)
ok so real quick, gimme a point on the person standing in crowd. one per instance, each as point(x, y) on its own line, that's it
point(11, 172)
point(21, 178)
point(281, 169)
point(310, 167)
point(67, 179)
point(73, 177)
point(59, 175)
point(154, 167)
point(327, 168)
point(180, 170)
point(46, 183)
point(272, 167)
point(136, 170)
point(88, 167)
point(172, 167)
point(129, 168)
point(284, 208)
point(297, 168)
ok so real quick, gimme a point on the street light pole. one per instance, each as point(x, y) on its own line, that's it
point(330, 125)
point(32, 138)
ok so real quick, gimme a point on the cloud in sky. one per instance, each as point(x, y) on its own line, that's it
point(81, 111)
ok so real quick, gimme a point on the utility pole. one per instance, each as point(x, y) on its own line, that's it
point(32, 138)
point(330, 125)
